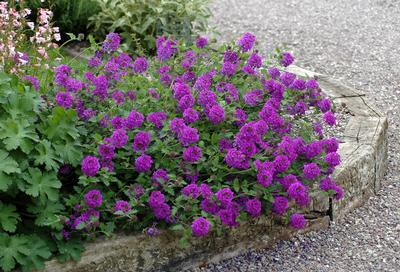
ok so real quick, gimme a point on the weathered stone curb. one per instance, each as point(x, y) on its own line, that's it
point(364, 156)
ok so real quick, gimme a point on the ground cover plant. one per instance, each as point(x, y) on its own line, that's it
point(196, 140)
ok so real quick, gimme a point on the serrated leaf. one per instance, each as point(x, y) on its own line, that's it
point(45, 155)
point(5, 181)
point(43, 185)
point(48, 214)
point(18, 133)
point(39, 253)
point(8, 165)
point(70, 249)
point(61, 125)
point(13, 249)
point(8, 217)
point(69, 152)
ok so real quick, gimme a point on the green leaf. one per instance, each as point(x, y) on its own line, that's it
point(8, 165)
point(18, 133)
point(48, 214)
point(39, 252)
point(236, 185)
point(42, 185)
point(13, 249)
point(61, 125)
point(69, 152)
point(46, 155)
point(70, 249)
point(5, 181)
point(8, 217)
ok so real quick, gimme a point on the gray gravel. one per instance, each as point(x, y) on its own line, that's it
point(357, 42)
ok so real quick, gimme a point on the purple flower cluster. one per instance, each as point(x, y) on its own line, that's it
point(160, 208)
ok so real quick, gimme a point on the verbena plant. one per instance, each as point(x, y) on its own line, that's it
point(196, 140)
point(140, 21)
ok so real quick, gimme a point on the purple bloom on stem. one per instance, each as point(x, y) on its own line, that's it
point(140, 65)
point(156, 199)
point(122, 206)
point(141, 141)
point(191, 115)
point(332, 159)
point(228, 69)
point(329, 118)
point(163, 211)
point(324, 105)
point(225, 196)
point(274, 72)
point(64, 99)
point(281, 163)
point(33, 80)
point(224, 144)
point(119, 138)
point(200, 227)
point(106, 151)
point(312, 84)
point(134, 120)
point(264, 177)
point(297, 221)
point(287, 78)
point(160, 174)
point(311, 170)
point(186, 102)
point(236, 159)
point(253, 207)
point(255, 60)
point(119, 97)
point(192, 154)
point(157, 118)
point(188, 135)
point(209, 206)
point(280, 205)
point(191, 190)
point(118, 122)
point(216, 114)
point(287, 59)
point(201, 42)
point(331, 145)
point(247, 41)
point(230, 56)
point(143, 163)
point(93, 198)
point(111, 43)
point(90, 166)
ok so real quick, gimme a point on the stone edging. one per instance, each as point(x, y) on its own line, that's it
point(364, 161)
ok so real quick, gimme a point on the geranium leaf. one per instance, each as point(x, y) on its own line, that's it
point(13, 249)
point(18, 133)
point(8, 217)
point(46, 155)
point(43, 185)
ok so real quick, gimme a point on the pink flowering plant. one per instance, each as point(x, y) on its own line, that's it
point(197, 139)
point(25, 45)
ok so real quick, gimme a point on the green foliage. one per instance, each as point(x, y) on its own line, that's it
point(35, 142)
point(140, 21)
point(72, 16)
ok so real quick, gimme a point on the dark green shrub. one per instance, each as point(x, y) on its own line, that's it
point(36, 139)
point(72, 16)
point(140, 21)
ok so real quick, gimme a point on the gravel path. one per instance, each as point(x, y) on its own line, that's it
point(358, 42)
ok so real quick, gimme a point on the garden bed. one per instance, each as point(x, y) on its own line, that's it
point(364, 160)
